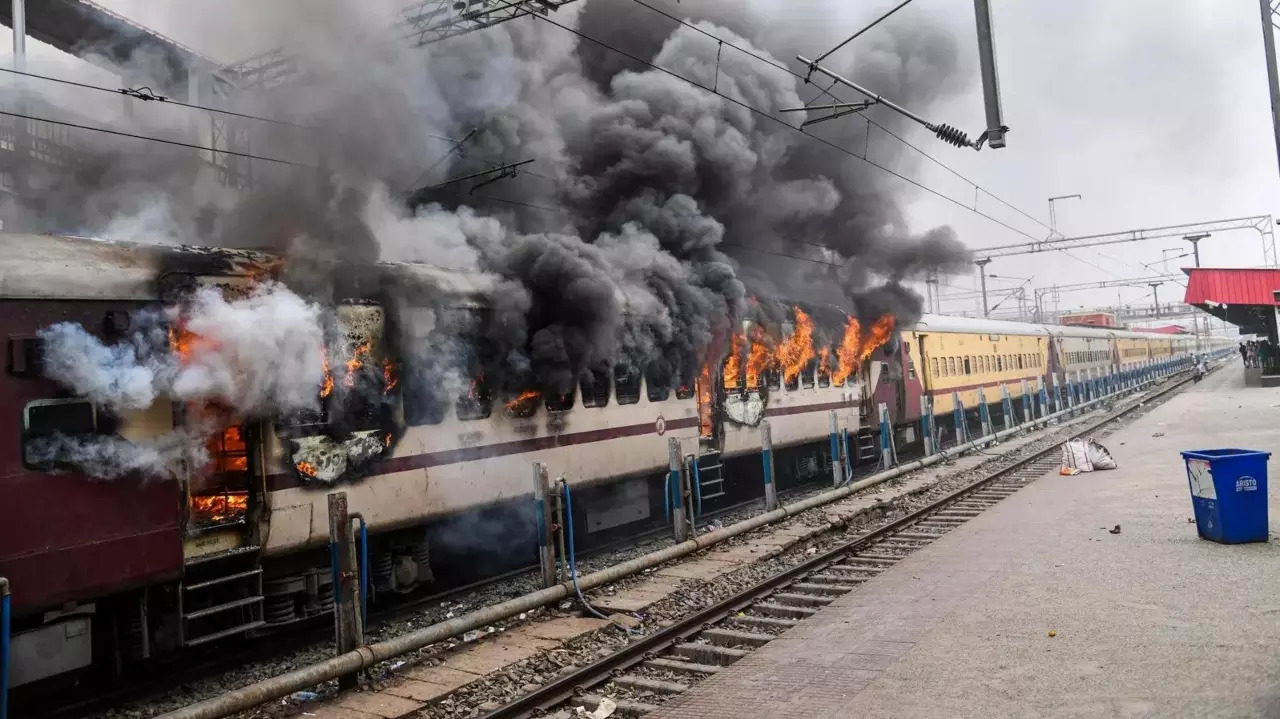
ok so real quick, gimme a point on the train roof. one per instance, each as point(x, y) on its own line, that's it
point(85, 268)
point(978, 325)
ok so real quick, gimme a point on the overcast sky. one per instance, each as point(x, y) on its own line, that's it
point(1155, 111)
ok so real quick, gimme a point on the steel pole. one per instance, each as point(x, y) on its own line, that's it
point(20, 35)
point(982, 273)
point(1273, 82)
point(990, 78)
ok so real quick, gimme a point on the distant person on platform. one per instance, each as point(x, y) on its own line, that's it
point(1265, 353)
point(1244, 354)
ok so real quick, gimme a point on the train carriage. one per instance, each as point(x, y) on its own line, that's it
point(111, 571)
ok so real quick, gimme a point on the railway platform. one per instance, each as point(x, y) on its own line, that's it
point(1035, 608)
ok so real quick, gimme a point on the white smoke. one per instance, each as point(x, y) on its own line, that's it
point(111, 457)
point(254, 356)
point(258, 355)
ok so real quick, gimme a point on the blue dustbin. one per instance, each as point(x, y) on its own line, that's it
point(1229, 492)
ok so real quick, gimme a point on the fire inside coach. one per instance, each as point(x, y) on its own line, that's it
point(193, 379)
point(183, 408)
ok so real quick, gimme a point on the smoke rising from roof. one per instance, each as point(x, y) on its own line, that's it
point(657, 208)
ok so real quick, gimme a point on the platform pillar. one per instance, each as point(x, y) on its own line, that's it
point(961, 422)
point(1057, 395)
point(1006, 406)
point(766, 457)
point(346, 588)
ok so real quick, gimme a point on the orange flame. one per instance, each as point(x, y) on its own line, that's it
point(388, 375)
point(355, 363)
point(217, 508)
point(326, 388)
point(824, 362)
point(182, 341)
point(795, 351)
point(306, 468)
point(847, 353)
point(759, 358)
point(733, 365)
point(704, 402)
point(386, 441)
point(521, 402)
point(232, 449)
point(881, 331)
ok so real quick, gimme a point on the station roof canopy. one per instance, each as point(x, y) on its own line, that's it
point(1242, 296)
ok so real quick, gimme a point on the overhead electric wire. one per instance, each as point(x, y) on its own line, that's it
point(828, 93)
point(756, 111)
point(148, 138)
point(150, 96)
point(855, 36)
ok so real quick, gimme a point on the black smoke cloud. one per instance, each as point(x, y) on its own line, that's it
point(657, 209)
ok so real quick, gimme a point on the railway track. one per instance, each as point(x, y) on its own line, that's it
point(669, 662)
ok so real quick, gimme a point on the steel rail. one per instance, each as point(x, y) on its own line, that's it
point(565, 688)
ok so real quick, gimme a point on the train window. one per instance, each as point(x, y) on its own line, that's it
point(933, 366)
point(1020, 358)
point(476, 402)
point(44, 418)
point(557, 402)
point(684, 391)
point(999, 364)
point(824, 373)
point(657, 382)
point(595, 388)
point(806, 374)
point(911, 368)
point(968, 366)
point(773, 379)
point(626, 384)
point(951, 366)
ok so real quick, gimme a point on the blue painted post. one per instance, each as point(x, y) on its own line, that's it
point(886, 439)
point(837, 467)
point(926, 423)
point(766, 456)
point(984, 414)
point(1006, 406)
point(5, 608)
point(675, 490)
point(1027, 413)
point(962, 431)
point(1057, 395)
point(1044, 399)
point(1088, 385)
point(542, 510)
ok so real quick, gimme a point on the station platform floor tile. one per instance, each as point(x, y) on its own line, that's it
point(1150, 622)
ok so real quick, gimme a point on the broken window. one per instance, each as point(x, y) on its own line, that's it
point(476, 401)
point(595, 388)
point(626, 384)
point(42, 419)
point(657, 381)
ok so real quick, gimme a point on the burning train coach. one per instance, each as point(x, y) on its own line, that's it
point(176, 418)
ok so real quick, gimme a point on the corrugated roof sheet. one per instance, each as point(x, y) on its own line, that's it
point(1231, 286)
point(1166, 330)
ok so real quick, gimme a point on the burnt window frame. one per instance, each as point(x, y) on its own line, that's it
point(483, 402)
point(650, 377)
point(633, 376)
point(807, 374)
point(26, 435)
point(968, 366)
point(596, 398)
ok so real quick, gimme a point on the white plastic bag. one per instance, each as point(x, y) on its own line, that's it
point(1075, 455)
point(1099, 456)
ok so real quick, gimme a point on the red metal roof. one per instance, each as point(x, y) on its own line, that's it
point(1165, 330)
point(1231, 286)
